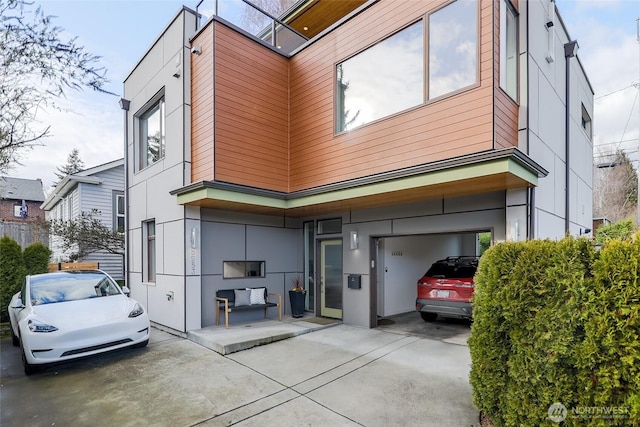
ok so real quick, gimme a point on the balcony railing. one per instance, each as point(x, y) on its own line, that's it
point(253, 20)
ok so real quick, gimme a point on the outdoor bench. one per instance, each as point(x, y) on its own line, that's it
point(243, 299)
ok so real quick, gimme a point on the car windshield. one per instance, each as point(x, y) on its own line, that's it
point(61, 287)
point(451, 271)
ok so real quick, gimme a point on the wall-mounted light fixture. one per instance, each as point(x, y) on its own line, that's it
point(353, 240)
point(570, 49)
point(196, 50)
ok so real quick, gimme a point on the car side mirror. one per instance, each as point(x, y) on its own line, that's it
point(17, 303)
point(126, 290)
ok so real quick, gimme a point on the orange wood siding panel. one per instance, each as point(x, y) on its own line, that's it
point(251, 112)
point(202, 116)
point(458, 125)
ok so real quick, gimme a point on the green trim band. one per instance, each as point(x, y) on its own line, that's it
point(460, 173)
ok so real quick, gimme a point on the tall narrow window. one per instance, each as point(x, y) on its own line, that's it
point(118, 212)
point(70, 206)
point(152, 134)
point(586, 122)
point(151, 251)
point(453, 48)
point(508, 49)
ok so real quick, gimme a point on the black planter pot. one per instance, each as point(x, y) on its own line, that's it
point(297, 303)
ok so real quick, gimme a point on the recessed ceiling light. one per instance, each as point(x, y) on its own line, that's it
point(305, 28)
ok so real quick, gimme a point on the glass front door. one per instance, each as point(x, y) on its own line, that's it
point(331, 278)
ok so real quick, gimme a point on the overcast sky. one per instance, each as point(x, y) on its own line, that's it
point(120, 31)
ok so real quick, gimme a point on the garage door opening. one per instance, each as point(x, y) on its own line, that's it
point(401, 260)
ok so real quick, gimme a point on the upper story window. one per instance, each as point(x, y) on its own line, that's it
point(453, 48)
point(509, 49)
point(390, 77)
point(382, 80)
point(586, 122)
point(151, 125)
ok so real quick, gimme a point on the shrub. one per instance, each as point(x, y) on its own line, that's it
point(618, 230)
point(36, 258)
point(11, 273)
point(557, 322)
point(609, 356)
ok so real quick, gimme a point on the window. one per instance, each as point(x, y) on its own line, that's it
point(586, 122)
point(453, 48)
point(330, 226)
point(152, 134)
point(508, 50)
point(149, 251)
point(70, 206)
point(396, 85)
point(390, 77)
point(242, 269)
point(118, 211)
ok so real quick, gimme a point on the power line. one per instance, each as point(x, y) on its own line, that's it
point(615, 91)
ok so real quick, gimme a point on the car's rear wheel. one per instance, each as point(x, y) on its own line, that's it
point(14, 339)
point(428, 317)
point(28, 368)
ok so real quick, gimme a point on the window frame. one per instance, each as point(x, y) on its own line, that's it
point(508, 77)
point(117, 195)
point(156, 104)
point(338, 102)
point(586, 122)
point(149, 251)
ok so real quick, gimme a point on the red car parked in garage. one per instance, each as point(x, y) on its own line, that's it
point(446, 288)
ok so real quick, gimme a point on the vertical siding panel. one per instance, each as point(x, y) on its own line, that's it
point(202, 116)
point(252, 112)
point(505, 109)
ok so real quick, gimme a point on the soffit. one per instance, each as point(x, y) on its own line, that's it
point(482, 177)
point(318, 15)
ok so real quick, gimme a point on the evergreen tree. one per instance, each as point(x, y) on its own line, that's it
point(74, 164)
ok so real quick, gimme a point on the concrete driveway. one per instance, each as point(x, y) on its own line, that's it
point(339, 376)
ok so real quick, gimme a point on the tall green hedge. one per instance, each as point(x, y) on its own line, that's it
point(36, 258)
point(12, 273)
point(556, 321)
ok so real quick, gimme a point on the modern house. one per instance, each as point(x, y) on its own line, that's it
point(98, 191)
point(20, 213)
point(350, 144)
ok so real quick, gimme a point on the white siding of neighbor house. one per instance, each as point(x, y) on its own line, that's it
point(100, 197)
point(86, 197)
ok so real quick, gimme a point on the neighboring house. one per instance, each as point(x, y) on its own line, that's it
point(20, 213)
point(100, 188)
point(350, 143)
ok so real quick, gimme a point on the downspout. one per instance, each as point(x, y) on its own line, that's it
point(570, 49)
point(124, 105)
point(532, 194)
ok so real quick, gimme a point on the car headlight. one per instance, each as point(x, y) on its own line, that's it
point(137, 311)
point(35, 326)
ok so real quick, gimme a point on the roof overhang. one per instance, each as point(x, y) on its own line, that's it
point(485, 172)
point(67, 184)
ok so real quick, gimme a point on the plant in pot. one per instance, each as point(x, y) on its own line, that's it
point(297, 297)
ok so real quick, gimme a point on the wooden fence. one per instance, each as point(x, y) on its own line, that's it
point(74, 266)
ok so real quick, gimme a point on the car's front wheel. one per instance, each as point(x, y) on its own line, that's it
point(141, 344)
point(14, 339)
point(28, 367)
point(428, 317)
